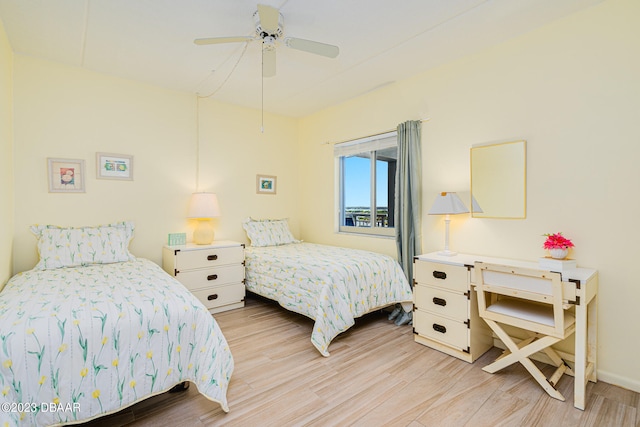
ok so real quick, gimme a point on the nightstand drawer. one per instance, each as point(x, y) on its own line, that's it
point(441, 302)
point(210, 277)
point(193, 259)
point(221, 295)
point(451, 332)
point(446, 276)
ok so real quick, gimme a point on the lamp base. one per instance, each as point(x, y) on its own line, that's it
point(447, 252)
point(203, 234)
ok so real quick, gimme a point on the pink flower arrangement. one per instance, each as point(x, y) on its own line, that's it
point(557, 241)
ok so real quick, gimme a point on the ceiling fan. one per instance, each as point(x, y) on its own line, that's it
point(269, 29)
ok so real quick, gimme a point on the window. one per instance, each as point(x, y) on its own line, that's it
point(366, 184)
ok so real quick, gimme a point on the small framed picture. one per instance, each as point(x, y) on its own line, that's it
point(114, 166)
point(265, 184)
point(66, 175)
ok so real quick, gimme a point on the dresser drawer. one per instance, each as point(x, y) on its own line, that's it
point(441, 302)
point(452, 277)
point(210, 277)
point(211, 257)
point(451, 332)
point(220, 296)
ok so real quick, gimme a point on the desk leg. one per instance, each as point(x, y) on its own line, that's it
point(586, 347)
point(592, 340)
point(581, 356)
point(592, 330)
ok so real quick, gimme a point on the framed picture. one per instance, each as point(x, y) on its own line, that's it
point(265, 184)
point(114, 166)
point(66, 175)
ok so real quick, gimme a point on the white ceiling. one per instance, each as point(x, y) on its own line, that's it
point(381, 41)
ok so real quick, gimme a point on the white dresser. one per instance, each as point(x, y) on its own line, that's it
point(445, 315)
point(214, 273)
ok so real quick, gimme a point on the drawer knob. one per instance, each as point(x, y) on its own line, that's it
point(212, 257)
point(440, 275)
point(439, 301)
point(439, 328)
point(212, 297)
point(212, 277)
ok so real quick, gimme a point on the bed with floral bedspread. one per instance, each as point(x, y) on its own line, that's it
point(80, 342)
point(331, 285)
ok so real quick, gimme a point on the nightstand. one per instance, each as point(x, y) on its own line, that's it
point(213, 273)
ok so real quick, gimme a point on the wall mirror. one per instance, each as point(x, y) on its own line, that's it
point(498, 180)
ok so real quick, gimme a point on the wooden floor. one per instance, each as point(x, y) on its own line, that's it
point(376, 376)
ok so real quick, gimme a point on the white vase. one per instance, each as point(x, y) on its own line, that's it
point(558, 253)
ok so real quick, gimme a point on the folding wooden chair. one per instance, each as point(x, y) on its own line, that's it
point(532, 301)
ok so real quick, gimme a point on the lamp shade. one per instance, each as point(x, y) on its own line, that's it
point(475, 206)
point(448, 203)
point(203, 206)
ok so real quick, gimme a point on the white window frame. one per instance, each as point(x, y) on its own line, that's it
point(369, 144)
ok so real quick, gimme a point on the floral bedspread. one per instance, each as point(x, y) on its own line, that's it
point(328, 284)
point(76, 343)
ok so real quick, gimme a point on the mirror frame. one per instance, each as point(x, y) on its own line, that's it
point(516, 173)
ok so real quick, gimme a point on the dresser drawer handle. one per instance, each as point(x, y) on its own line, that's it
point(212, 257)
point(439, 328)
point(440, 275)
point(212, 277)
point(439, 301)
point(212, 297)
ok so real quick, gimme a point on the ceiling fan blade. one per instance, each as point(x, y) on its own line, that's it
point(268, 62)
point(269, 17)
point(328, 50)
point(217, 40)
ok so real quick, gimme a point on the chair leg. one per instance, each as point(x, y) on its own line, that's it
point(541, 379)
point(556, 360)
point(517, 353)
point(521, 344)
point(560, 370)
point(521, 352)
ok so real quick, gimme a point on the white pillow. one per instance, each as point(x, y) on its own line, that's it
point(72, 247)
point(268, 232)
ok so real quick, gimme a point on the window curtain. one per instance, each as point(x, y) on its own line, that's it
point(408, 203)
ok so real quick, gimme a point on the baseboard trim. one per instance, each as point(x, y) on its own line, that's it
point(619, 380)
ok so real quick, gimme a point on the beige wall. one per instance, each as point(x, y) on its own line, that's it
point(571, 89)
point(6, 157)
point(70, 112)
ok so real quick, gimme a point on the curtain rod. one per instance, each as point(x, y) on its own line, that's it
point(369, 136)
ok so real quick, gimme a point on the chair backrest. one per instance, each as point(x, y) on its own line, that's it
point(526, 298)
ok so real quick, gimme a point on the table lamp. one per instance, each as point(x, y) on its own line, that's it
point(203, 207)
point(447, 203)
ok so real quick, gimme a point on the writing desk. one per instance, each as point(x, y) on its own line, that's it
point(580, 288)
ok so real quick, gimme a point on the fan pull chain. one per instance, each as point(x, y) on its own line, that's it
point(197, 143)
point(262, 94)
